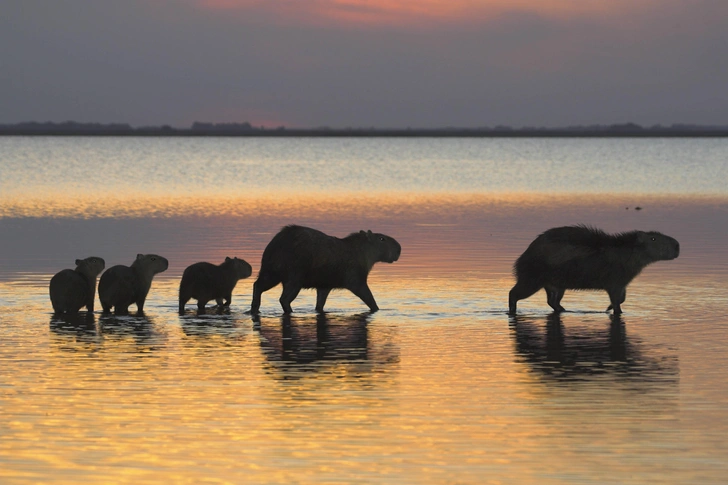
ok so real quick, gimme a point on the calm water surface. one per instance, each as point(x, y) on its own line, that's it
point(439, 386)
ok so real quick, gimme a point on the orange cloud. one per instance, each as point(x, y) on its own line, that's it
point(424, 12)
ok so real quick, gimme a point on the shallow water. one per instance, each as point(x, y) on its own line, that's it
point(439, 386)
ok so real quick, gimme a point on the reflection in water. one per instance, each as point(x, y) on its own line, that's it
point(293, 344)
point(574, 353)
point(331, 338)
point(81, 326)
point(222, 323)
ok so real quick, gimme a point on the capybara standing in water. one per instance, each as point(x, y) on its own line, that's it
point(584, 258)
point(301, 257)
point(120, 286)
point(73, 289)
point(206, 281)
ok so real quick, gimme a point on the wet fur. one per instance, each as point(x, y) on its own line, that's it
point(206, 281)
point(585, 258)
point(301, 257)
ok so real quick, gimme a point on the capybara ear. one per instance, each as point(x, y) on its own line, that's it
point(370, 235)
point(227, 258)
point(363, 232)
point(78, 261)
point(140, 256)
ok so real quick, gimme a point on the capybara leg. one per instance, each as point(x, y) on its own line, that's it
point(182, 303)
point(321, 295)
point(140, 305)
point(105, 308)
point(261, 285)
point(553, 297)
point(520, 292)
point(290, 292)
point(226, 302)
point(366, 296)
point(615, 296)
point(201, 306)
point(621, 298)
point(121, 310)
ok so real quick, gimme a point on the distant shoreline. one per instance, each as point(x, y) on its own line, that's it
point(628, 130)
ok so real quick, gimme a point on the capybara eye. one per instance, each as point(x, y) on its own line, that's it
point(381, 238)
point(154, 259)
point(653, 238)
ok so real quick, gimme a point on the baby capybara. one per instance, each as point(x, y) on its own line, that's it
point(73, 289)
point(206, 281)
point(301, 257)
point(585, 258)
point(120, 285)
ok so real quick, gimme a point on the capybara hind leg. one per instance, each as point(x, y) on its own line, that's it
point(321, 295)
point(366, 296)
point(553, 298)
point(290, 292)
point(201, 306)
point(261, 285)
point(520, 292)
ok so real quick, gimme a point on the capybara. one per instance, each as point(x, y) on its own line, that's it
point(301, 257)
point(206, 281)
point(585, 258)
point(120, 285)
point(73, 289)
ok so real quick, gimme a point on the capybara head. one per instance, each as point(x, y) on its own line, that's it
point(92, 265)
point(241, 267)
point(151, 262)
point(658, 246)
point(387, 248)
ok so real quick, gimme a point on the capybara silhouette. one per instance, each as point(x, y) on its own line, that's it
point(73, 289)
point(301, 257)
point(207, 281)
point(585, 258)
point(120, 285)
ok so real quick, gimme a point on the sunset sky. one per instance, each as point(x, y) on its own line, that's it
point(360, 63)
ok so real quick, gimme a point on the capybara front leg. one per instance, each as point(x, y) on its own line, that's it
point(617, 297)
point(366, 296)
point(321, 295)
point(519, 292)
point(622, 297)
point(290, 292)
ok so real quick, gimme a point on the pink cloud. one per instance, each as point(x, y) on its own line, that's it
point(424, 12)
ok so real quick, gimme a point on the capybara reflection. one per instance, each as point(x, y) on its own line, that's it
point(585, 258)
point(301, 257)
point(73, 289)
point(206, 281)
point(120, 285)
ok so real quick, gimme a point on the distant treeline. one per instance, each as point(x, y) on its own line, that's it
point(72, 128)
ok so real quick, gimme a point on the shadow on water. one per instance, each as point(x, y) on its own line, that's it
point(574, 353)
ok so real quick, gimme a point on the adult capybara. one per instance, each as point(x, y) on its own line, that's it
point(73, 289)
point(301, 257)
point(206, 281)
point(120, 286)
point(585, 258)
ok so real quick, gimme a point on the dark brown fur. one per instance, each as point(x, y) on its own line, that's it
point(206, 281)
point(73, 289)
point(301, 257)
point(584, 258)
point(120, 285)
